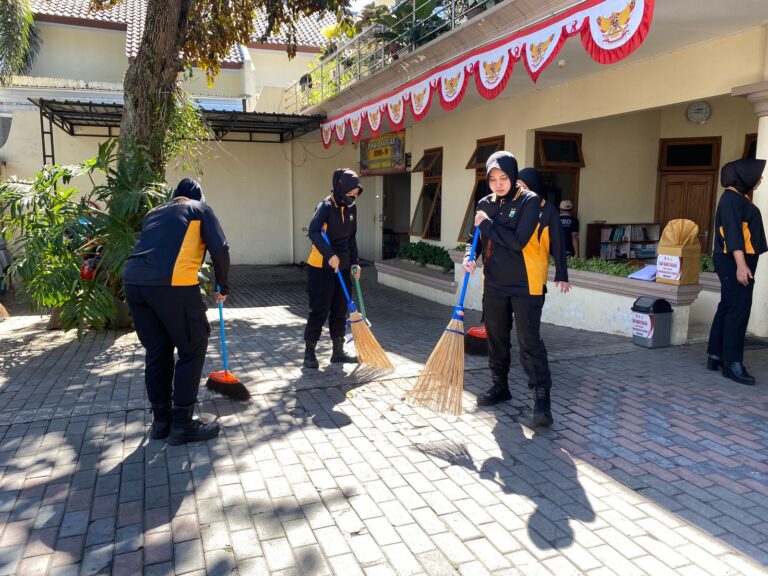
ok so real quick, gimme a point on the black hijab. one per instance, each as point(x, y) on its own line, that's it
point(345, 180)
point(505, 162)
point(742, 174)
point(532, 179)
point(189, 188)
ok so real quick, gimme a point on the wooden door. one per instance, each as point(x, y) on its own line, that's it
point(689, 196)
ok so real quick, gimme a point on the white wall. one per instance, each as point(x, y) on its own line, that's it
point(80, 53)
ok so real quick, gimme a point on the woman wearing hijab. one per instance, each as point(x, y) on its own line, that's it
point(337, 215)
point(515, 273)
point(739, 241)
point(163, 294)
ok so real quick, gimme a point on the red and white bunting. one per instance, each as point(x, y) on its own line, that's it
point(610, 31)
point(395, 109)
point(373, 114)
point(492, 71)
point(451, 85)
point(420, 97)
point(356, 124)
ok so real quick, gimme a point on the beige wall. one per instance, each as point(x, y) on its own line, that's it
point(228, 83)
point(274, 68)
point(80, 53)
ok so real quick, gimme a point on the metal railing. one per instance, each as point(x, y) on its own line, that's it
point(410, 24)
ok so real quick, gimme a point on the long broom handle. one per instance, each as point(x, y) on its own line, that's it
point(460, 305)
point(359, 293)
point(221, 329)
point(350, 303)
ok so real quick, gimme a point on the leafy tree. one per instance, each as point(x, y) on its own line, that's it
point(370, 14)
point(19, 39)
point(180, 34)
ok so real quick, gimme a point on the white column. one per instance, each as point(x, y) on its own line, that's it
point(757, 95)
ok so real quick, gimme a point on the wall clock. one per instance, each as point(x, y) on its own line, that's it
point(698, 112)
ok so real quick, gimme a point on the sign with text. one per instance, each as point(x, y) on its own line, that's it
point(642, 325)
point(383, 154)
point(668, 267)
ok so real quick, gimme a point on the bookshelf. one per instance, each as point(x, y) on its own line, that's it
point(627, 241)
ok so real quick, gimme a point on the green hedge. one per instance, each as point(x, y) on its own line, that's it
point(602, 266)
point(706, 263)
point(426, 253)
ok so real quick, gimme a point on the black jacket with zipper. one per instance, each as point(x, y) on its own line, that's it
point(739, 226)
point(513, 262)
point(340, 224)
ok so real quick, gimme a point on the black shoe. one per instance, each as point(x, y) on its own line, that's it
point(310, 360)
point(495, 394)
point(542, 407)
point(186, 429)
point(339, 355)
point(736, 372)
point(714, 362)
point(161, 421)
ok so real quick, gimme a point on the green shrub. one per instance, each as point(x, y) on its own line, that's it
point(602, 266)
point(426, 253)
point(706, 263)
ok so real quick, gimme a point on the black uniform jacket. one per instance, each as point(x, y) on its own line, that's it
point(552, 239)
point(514, 263)
point(340, 224)
point(173, 240)
point(739, 226)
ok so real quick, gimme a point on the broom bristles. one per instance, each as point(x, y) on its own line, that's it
point(369, 351)
point(440, 385)
point(226, 384)
point(3, 312)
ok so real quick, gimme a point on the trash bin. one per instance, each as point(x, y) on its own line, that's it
point(651, 322)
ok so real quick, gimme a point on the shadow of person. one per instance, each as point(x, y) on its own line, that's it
point(319, 404)
point(545, 474)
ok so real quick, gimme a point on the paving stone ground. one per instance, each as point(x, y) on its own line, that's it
point(654, 465)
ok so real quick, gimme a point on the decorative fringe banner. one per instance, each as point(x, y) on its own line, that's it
point(610, 31)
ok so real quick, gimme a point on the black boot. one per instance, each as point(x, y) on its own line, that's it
point(161, 421)
point(714, 362)
point(736, 372)
point(542, 407)
point(186, 429)
point(339, 355)
point(499, 392)
point(310, 360)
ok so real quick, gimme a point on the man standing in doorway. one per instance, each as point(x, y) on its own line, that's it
point(570, 225)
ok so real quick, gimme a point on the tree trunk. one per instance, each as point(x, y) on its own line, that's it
point(151, 80)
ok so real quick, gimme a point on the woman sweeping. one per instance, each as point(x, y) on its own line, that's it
point(739, 241)
point(337, 215)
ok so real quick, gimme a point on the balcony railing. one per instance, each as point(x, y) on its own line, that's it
point(410, 24)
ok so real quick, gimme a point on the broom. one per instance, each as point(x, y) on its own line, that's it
point(223, 381)
point(360, 296)
point(441, 382)
point(369, 350)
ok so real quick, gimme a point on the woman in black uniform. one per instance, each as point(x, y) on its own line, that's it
point(337, 215)
point(739, 241)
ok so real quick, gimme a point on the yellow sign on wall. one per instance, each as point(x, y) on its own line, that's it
point(383, 154)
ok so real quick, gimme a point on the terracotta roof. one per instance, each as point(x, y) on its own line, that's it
point(129, 15)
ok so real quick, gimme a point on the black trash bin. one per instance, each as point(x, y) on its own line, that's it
point(651, 322)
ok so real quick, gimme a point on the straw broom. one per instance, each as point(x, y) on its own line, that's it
point(441, 383)
point(369, 351)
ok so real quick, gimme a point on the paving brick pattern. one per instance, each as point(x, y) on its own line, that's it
point(654, 465)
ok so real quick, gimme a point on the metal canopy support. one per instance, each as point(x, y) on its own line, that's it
point(100, 119)
point(46, 135)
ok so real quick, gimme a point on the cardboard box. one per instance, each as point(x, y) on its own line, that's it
point(679, 254)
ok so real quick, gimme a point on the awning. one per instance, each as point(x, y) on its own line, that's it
point(101, 119)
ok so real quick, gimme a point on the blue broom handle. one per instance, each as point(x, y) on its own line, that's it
point(221, 329)
point(350, 303)
point(475, 236)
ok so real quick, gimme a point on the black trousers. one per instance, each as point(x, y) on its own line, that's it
point(498, 312)
point(729, 326)
point(168, 317)
point(326, 302)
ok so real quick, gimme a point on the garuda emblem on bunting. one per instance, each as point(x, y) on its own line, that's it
point(355, 123)
point(374, 119)
point(616, 26)
point(539, 50)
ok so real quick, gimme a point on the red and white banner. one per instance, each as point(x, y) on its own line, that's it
point(610, 31)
